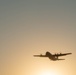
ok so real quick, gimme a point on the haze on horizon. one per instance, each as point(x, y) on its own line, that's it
point(29, 27)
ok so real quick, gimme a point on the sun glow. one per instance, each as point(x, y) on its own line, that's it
point(48, 72)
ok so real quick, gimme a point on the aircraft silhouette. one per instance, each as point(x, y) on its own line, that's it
point(53, 57)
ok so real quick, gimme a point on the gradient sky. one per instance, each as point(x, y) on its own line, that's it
point(29, 27)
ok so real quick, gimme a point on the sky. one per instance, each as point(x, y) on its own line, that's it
point(29, 27)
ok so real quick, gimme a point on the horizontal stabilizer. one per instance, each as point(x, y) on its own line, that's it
point(60, 59)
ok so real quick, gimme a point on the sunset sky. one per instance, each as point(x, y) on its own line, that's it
point(29, 27)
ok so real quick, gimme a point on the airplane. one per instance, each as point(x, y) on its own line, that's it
point(53, 57)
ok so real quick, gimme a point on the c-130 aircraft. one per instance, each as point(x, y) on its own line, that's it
point(53, 57)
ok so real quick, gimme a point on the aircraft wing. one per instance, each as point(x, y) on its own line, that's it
point(40, 55)
point(60, 59)
point(62, 54)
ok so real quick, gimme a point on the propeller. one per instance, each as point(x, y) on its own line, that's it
point(56, 53)
point(60, 53)
point(40, 54)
